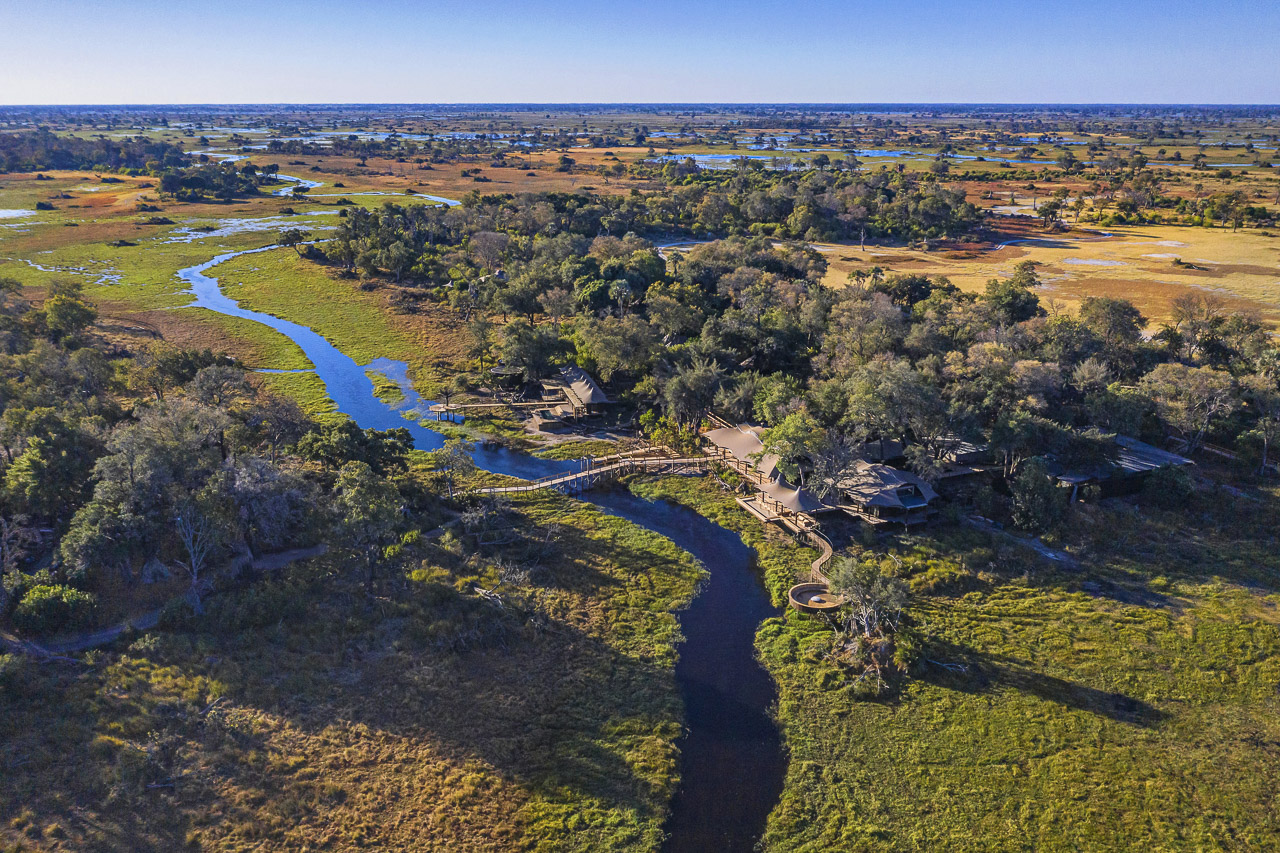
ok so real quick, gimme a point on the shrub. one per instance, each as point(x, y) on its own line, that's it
point(1168, 487)
point(51, 608)
point(1038, 503)
point(18, 584)
point(13, 674)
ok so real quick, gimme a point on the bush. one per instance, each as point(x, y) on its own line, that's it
point(1168, 487)
point(1038, 503)
point(13, 674)
point(18, 584)
point(51, 608)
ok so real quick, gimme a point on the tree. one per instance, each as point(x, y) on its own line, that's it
point(396, 258)
point(908, 290)
point(335, 444)
point(1116, 322)
point(1038, 503)
point(1190, 399)
point(489, 247)
point(863, 325)
point(1263, 397)
point(53, 608)
point(454, 461)
point(876, 601)
point(278, 421)
point(669, 312)
point(557, 303)
point(619, 346)
point(199, 537)
point(369, 511)
point(221, 387)
point(530, 348)
point(67, 315)
point(480, 338)
point(293, 238)
point(688, 393)
point(777, 396)
point(1011, 299)
point(1050, 212)
point(795, 440)
point(870, 623)
point(16, 541)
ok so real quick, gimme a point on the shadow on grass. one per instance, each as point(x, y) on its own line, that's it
point(1136, 594)
point(960, 668)
point(55, 773)
point(546, 688)
point(551, 710)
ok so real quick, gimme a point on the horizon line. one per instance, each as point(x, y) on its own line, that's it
point(456, 104)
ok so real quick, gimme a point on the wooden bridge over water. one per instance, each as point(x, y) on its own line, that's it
point(605, 469)
point(652, 459)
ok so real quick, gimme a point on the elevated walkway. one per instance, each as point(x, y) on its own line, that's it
point(613, 468)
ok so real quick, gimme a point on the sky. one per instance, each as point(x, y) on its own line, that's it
point(597, 51)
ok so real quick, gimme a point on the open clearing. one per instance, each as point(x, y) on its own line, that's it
point(1134, 263)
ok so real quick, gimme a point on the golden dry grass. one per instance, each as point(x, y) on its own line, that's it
point(1135, 263)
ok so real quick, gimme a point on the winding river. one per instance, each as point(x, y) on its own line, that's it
point(731, 759)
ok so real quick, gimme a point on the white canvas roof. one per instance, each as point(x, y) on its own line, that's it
point(872, 484)
point(582, 388)
point(796, 500)
point(743, 442)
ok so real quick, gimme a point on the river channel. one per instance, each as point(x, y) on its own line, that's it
point(731, 758)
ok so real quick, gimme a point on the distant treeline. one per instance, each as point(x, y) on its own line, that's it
point(41, 150)
point(419, 241)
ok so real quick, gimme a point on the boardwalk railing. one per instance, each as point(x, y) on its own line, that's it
point(652, 459)
point(596, 473)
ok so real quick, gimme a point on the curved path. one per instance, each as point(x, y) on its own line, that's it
point(147, 621)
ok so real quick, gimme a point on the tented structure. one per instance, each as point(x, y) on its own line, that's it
point(881, 493)
point(741, 448)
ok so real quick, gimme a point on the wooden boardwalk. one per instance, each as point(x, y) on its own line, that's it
point(651, 459)
point(612, 468)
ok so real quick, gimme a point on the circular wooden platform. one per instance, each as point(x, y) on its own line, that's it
point(813, 597)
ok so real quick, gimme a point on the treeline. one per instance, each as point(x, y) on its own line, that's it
point(492, 232)
point(224, 180)
point(43, 150)
point(816, 204)
point(163, 474)
point(745, 327)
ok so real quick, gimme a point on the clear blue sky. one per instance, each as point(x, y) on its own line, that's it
point(451, 51)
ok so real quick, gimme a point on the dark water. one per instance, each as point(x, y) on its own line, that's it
point(731, 762)
point(731, 759)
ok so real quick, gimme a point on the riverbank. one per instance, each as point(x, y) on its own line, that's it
point(1069, 709)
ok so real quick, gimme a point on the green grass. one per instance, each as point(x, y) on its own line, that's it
point(578, 448)
point(385, 389)
point(302, 714)
point(267, 348)
point(280, 283)
point(307, 389)
point(1141, 714)
point(485, 427)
